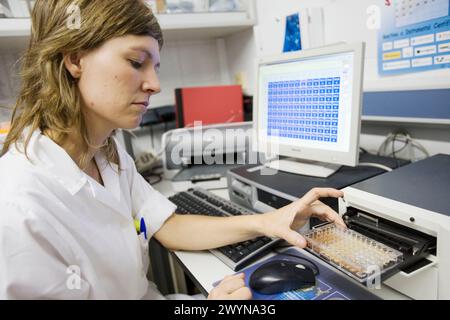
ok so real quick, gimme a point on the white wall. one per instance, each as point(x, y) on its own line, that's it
point(198, 63)
point(9, 80)
point(345, 20)
point(435, 139)
point(187, 64)
point(241, 55)
point(244, 48)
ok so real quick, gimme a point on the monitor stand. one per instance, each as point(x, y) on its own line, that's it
point(304, 167)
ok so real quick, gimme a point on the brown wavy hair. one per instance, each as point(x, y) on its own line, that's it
point(49, 98)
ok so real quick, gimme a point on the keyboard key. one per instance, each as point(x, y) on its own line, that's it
point(266, 239)
point(201, 195)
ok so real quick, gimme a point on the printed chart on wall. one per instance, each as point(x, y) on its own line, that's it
point(414, 36)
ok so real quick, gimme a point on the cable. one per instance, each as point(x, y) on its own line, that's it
point(393, 150)
point(376, 165)
point(210, 189)
point(402, 136)
point(382, 145)
point(316, 268)
point(405, 144)
point(419, 146)
point(363, 150)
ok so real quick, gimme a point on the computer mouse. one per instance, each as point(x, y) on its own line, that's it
point(277, 276)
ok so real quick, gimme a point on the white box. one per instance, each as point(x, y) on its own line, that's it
point(442, 59)
point(18, 8)
point(422, 62)
point(5, 12)
point(444, 47)
point(429, 38)
point(387, 46)
point(442, 36)
point(407, 52)
point(425, 50)
point(403, 43)
point(402, 64)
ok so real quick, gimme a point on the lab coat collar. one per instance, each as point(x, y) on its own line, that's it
point(52, 158)
point(109, 198)
point(110, 175)
point(110, 193)
point(48, 155)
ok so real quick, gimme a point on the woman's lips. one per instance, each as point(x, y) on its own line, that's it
point(145, 103)
point(141, 105)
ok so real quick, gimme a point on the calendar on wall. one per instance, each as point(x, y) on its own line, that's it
point(414, 36)
point(409, 12)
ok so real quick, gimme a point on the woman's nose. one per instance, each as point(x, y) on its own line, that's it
point(151, 83)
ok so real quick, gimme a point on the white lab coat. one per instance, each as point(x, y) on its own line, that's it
point(65, 236)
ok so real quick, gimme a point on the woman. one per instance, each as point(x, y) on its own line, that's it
point(70, 194)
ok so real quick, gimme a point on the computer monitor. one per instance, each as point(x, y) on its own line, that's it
point(308, 108)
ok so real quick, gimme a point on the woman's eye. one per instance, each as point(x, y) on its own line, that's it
point(135, 64)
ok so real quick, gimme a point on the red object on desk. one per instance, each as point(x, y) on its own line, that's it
point(210, 105)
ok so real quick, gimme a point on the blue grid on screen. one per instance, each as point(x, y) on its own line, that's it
point(304, 109)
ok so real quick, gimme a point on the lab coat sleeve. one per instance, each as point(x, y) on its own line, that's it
point(33, 259)
point(146, 201)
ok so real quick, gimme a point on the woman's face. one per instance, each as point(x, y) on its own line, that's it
point(117, 80)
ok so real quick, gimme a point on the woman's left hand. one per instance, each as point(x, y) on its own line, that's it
point(283, 222)
point(232, 287)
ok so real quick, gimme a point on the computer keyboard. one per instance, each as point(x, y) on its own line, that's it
point(202, 202)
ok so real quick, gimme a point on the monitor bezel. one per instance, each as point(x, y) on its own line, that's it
point(349, 158)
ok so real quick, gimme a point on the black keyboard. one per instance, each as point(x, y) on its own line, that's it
point(238, 255)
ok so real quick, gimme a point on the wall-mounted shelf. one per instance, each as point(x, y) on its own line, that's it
point(428, 107)
point(204, 25)
point(175, 26)
point(19, 27)
point(406, 120)
point(201, 28)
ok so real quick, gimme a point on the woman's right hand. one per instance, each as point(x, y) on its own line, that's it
point(232, 287)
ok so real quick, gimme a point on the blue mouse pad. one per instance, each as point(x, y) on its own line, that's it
point(329, 284)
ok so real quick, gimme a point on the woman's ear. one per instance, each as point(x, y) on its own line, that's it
point(73, 64)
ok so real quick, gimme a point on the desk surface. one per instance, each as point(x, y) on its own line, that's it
point(194, 263)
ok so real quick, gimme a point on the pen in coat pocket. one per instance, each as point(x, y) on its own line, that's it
point(141, 227)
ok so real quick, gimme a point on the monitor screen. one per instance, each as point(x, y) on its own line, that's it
point(308, 104)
